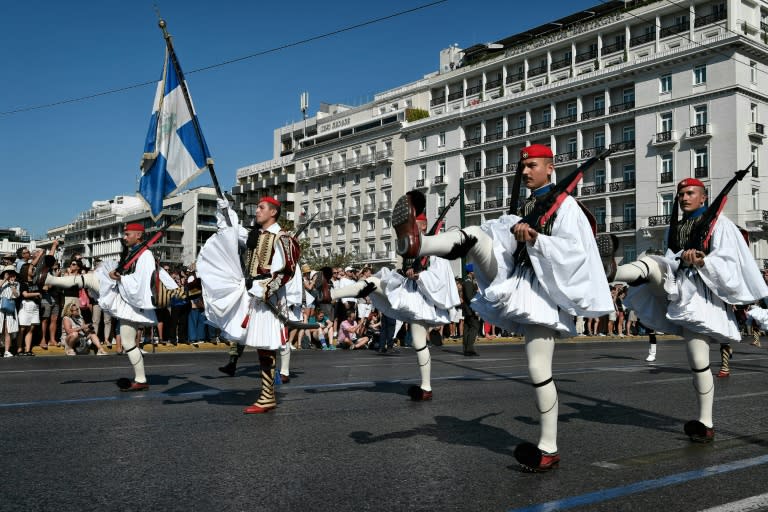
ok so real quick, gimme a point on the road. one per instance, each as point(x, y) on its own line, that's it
point(345, 436)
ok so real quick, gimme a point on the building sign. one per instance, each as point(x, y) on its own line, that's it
point(335, 125)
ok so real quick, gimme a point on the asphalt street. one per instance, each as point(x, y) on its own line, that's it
point(346, 437)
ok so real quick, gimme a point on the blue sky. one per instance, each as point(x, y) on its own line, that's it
point(57, 160)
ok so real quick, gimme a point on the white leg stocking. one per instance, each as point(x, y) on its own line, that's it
point(128, 336)
point(352, 290)
point(89, 281)
point(645, 270)
point(419, 341)
point(698, 358)
point(285, 360)
point(480, 255)
point(539, 349)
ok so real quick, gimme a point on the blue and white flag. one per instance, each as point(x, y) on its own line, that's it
point(175, 151)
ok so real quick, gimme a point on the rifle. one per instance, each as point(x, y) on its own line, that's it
point(128, 257)
point(421, 263)
point(702, 232)
point(304, 227)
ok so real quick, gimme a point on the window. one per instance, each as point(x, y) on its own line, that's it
point(700, 115)
point(339, 230)
point(599, 102)
point(441, 168)
point(666, 122)
point(388, 172)
point(423, 143)
point(388, 248)
point(521, 121)
point(371, 250)
point(630, 252)
point(570, 109)
point(372, 175)
point(499, 126)
point(599, 140)
point(355, 227)
point(628, 96)
point(599, 176)
point(666, 203)
point(571, 145)
point(356, 179)
point(327, 206)
point(755, 198)
point(326, 231)
point(327, 184)
point(477, 165)
point(441, 139)
point(342, 181)
point(629, 212)
point(422, 172)
point(629, 172)
point(753, 71)
point(700, 75)
point(371, 224)
point(387, 196)
point(665, 84)
point(701, 162)
point(600, 215)
point(666, 168)
point(753, 155)
point(317, 187)
point(384, 223)
point(546, 116)
point(628, 133)
point(753, 112)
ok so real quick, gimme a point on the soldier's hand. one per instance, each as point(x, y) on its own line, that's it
point(693, 257)
point(524, 233)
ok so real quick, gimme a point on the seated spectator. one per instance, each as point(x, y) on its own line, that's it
point(74, 329)
point(348, 336)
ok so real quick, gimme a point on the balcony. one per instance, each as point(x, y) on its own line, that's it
point(658, 220)
point(699, 131)
point(355, 210)
point(565, 157)
point(491, 84)
point(623, 226)
point(625, 145)
point(621, 185)
point(666, 177)
point(588, 55)
point(560, 64)
point(540, 70)
point(494, 169)
point(701, 172)
point(324, 215)
point(601, 226)
point(511, 167)
point(437, 101)
point(474, 90)
point(621, 107)
point(642, 39)
point(520, 130)
point(674, 29)
point(369, 208)
point(541, 126)
point(473, 175)
point(456, 95)
point(385, 205)
point(612, 48)
point(385, 155)
point(493, 203)
point(591, 190)
point(701, 21)
point(438, 180)
point(515, 77)
point(471, 207)
point(598, 112)
point(422, 183)
point(560, 121)
point(664, 138)
point(756, 130)
point(590, 152)
point(472, 142)
point(494, 136)
point(338, 212)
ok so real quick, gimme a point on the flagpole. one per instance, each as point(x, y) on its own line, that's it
point(182, 83)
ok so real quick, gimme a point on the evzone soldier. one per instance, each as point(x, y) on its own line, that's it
point(422, 296)
point(125, 292)
point(690, 291)
point(246, 309)
point(536, 271)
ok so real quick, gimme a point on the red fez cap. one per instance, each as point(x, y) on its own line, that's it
point(536, 151)
point(422, 216)
point(690, 182)
point(134, 226)
point(271, 200)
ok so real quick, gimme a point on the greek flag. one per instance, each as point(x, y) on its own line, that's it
point(175, 151)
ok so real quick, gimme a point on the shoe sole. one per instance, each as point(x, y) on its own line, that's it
point(400, 216)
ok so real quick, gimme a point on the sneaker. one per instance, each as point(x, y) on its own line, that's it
point(7, 354)
point(698, 432)
point(533, 460)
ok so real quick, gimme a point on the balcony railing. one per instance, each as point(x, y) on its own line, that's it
point(565, 157)
point(472, 142)
point(437, 101)
point(438, 180)
point(369, 208)
point(385, 205)
point(674, 29)
point(493, 203)
point(494, 136)
point(474, 90)
point(593, 189)
point(757, 129)
point(698, 130)
point(541, 126)
point(625, 145)
point(560, 121)
point(355, 210)
point(515, 77)
point(559, 64)
point(700, 21)
point(591, 114)
point(621, 107)
point(325, 215)
point(455, 95)
point(338, 212)
point(471, 207)
point(765, 215)
point(590, 152)
point(658, 220)
point(494, 169)
point(520, 130)
point(701, 172)
point(471, 175)
point(666, 177)
point(641, 39)
point(613, 48)
point(490, 84)
point(540, 70)
point(665, 137)
point(421, 183)
point(620, 186)
point(511, 167)
point(581, 57)
point(623, 226)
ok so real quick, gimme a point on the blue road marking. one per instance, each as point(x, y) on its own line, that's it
point(642, 486)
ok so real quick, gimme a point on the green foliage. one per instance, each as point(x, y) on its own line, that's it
point(317, 262)
point(414, 114)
